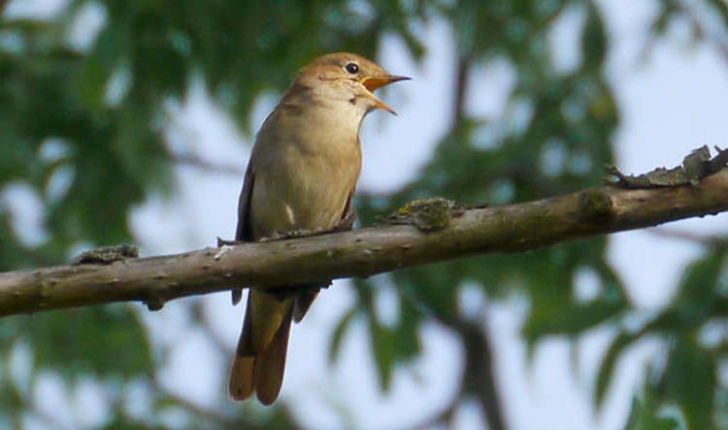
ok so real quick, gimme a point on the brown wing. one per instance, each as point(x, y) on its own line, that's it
point(244, 230)
point(347, 206)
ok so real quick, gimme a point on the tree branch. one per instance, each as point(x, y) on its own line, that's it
point(195, 160)
point(364, 252)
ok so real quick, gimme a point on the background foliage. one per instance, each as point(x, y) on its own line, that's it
point(81, 134)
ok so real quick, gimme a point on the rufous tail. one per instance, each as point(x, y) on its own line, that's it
point(260, 357)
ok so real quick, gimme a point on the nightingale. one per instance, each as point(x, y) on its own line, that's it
point(301, 176)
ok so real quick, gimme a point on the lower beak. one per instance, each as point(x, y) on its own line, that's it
point(371, 83)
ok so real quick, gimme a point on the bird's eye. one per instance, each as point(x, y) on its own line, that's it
point(352, 68)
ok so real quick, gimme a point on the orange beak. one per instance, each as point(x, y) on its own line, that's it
point(371, 83)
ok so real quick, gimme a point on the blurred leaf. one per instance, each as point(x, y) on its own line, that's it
point(433, 287)
point(91, 341)
point(643, 416)
point(107, 55)
point(569, 319)
point(382, 341)
point(394, 345)
point(11, 397)
point(339, 332)
point(594, 39)
point(606, 371)
point(690, 380)
point(721, 7)
point(123, 423)
point(700, 280)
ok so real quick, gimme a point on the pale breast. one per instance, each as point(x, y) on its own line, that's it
point(303, 179)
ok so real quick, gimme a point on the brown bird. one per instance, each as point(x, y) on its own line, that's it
point(302, 175)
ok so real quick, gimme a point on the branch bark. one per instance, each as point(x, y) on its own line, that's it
point(363, 252)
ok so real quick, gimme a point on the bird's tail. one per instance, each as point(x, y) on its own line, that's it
point(260, 357)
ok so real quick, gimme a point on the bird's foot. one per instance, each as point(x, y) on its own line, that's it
point(222, 242)
point(344, 224)
point(283, 235)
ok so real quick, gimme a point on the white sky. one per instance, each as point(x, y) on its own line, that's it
point(671, 103)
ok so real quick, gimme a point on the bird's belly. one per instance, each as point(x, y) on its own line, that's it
point(314, 201)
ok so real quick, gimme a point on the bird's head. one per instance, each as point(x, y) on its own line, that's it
point(349, 78)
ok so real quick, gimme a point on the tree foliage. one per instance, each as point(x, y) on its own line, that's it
point(81, 132)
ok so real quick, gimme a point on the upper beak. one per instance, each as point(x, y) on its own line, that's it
point(371, 83)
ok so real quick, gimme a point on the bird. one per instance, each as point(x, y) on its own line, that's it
point(301, 176)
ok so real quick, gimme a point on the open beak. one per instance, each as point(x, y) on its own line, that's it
point(371, 83)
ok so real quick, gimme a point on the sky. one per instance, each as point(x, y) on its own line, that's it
point(672, 101)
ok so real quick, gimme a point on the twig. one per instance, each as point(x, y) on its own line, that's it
point(224, 421)
point(195, 160)
point(702, 32)
point(707, 240)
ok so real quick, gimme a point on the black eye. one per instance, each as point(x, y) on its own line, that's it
point(352, 68)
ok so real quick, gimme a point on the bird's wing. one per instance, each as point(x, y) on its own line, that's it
point(244, 231)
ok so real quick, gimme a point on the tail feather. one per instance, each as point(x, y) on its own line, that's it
point(303, 302)
point(241, 374)
point(260, 357)
point(270, 365)
point(241, 377)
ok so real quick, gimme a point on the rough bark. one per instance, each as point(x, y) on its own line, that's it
point(363, 252)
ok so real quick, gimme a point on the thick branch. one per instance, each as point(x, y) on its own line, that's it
point(363, 252)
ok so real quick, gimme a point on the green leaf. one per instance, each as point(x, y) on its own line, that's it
point(690, 380)
point(12, 398)
point(109, 50)
point(568, 319)
point(606, 370)
point(644, 416)
point(433, 286)
point(594, 39)
point(382, 341)
point(721, 8)
point(101, 341)
point(394, 345)
point(700, 280)
point(336, 338)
